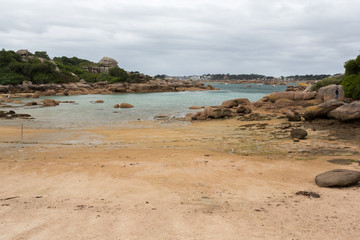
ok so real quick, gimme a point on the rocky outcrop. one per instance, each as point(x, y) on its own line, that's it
point(83, 88)
point(217, 112)
point(346, 112)
point(106, 63)
point(331, 92)
point(230, 108)
point(235, 102)
point(322, 110)
point(337, 178)
point(24, 54)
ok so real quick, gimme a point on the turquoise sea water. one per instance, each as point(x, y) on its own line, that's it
point(146, 105)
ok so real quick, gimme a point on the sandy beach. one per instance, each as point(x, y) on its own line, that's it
point(221, 179)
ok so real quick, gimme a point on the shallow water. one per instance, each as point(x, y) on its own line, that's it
point(146, 105)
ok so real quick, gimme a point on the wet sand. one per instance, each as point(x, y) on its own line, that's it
point(225, 179)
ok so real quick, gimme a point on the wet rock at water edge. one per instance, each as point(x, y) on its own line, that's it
point(50, 103)
point(31, 104)
point(195, 107)
point(126, 105)
point(11, 115)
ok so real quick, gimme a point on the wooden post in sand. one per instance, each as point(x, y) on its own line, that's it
point(22, 134)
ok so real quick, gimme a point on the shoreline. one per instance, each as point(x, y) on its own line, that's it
point(30, 90)
point(242, 177)
point(176, 181)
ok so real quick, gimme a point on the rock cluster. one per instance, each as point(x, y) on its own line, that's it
point(230, 108)
point(11, 115)
point(104, 65)
point(329, 102)
point(27, 89)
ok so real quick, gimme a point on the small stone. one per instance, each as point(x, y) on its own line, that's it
point(298, 133)
point(126, 105)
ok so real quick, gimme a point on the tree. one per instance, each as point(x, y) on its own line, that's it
point(351, 82)
point(119, 74)
point(42, 54)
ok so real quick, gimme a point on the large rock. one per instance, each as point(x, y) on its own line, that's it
point(235, 102)
point(298, 96)
point(281, 95)
point(284, 103)
point(198, 116)
point(24, 53)
point(337, 178)
point(329, 92)
point(108, 62)
point(321, 110)
point(217, 112)
point(347, 112)
point(309, 95)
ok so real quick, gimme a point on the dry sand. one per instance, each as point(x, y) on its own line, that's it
point(157, 180)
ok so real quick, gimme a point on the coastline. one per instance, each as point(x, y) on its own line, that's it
point(176, 180)
point(30, 90)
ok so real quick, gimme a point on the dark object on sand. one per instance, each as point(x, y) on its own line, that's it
point(308, 194)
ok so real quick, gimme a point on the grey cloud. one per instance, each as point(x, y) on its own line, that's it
point(190, 37)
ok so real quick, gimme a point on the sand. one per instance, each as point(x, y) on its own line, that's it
point(224, 179)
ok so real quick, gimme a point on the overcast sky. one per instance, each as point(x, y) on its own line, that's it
point(185, 37)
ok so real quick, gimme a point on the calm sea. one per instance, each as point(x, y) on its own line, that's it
point(146, 105)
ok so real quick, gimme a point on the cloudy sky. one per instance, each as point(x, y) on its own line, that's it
point(185, 37)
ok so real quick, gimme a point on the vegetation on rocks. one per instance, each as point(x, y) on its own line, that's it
point(327, 81)
point(350, 80)
point(17, 67)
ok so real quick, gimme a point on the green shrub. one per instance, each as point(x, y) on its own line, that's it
point(326, 81)
point(351, 86)
point(42, 54)
point(118, 74)
point(11, 78)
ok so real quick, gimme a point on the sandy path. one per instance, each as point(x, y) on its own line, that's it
point(212, 180)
